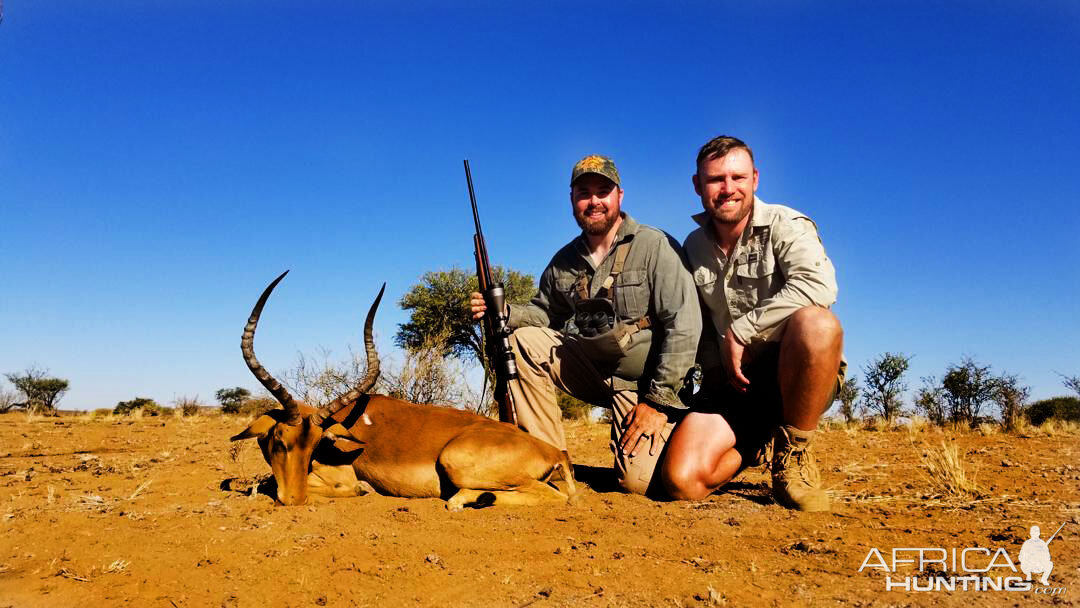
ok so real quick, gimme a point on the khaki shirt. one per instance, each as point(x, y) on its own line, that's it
point(777, 267)
point(654, 282)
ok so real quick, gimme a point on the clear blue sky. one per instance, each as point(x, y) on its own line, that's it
point(160, 162)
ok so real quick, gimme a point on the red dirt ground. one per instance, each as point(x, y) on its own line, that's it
point(139, 512)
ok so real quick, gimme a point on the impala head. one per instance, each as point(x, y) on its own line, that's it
point(288, 437)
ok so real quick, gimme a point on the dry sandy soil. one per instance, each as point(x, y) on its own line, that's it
point(155, 512)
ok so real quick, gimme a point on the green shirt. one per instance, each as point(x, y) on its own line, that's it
point(654, 282)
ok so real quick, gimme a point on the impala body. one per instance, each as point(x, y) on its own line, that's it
point(361, 442)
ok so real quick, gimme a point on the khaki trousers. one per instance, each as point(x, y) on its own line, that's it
point(547, 359)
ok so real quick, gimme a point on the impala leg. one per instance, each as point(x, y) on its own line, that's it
point(336, 481)
point(530, 493)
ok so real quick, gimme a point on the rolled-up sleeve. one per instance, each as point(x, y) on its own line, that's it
point(810, 279)
point(678, 316)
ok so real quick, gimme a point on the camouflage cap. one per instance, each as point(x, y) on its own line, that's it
point(594, 163)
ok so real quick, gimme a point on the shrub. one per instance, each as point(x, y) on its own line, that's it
point(573, 408)
point(848, 395)
point(1057, 408)
point(256, 406)
point(187, 406)
point(148, 406)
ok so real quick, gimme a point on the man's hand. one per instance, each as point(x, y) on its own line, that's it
point(477, 305)
point(731, 356)
point(643, 422)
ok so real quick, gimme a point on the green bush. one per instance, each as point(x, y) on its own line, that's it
point(1059, 408)
point(187, 406)
point(255, 406)
point(573, 408)
point(148, 406)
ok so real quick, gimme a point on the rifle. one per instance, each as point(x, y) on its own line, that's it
point(496, 333)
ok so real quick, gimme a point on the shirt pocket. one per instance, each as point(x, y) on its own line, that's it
point(632, 294)
point(708, 284)
point(566, 285)
point(755, 281)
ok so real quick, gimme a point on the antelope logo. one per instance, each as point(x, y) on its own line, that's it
point(361, 442)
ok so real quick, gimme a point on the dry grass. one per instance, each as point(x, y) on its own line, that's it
point(879, 425)
point(948, 473)
point(139, 490)
point(117, 566)
point(986, 429)
point(917, 424)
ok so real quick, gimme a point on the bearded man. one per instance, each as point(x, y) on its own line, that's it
point(616, 324)
point(770, 351)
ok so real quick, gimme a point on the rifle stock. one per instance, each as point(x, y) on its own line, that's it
point(496, 334)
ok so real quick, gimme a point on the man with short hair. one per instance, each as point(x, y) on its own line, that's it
point(771, 349)
point(615, 323)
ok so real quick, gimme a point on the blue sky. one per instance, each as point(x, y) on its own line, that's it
point(161, 162)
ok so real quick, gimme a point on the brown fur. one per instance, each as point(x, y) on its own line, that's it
point(360, 442)
point(407, 450)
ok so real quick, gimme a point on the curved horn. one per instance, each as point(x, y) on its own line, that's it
point(247, 347)
point(370, 377)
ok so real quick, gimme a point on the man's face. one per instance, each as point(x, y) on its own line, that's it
point(596, 201)
point(726, 186)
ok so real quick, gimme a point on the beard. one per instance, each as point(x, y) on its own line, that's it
point(731, 216)
point(596, 226)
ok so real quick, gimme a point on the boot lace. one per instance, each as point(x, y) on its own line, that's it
point(798, 461)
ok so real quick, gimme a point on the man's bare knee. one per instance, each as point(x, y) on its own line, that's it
point(814, 326)
point(683, 483)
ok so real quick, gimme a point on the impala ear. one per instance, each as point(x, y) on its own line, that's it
point(259, 428)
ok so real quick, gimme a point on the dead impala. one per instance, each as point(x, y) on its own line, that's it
point(398, 448)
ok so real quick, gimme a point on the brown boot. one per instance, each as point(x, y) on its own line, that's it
point(796, 482)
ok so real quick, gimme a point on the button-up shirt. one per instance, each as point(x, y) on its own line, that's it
point(777, 266)
point(654, 282)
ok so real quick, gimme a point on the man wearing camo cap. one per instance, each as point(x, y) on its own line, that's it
point(616, 324)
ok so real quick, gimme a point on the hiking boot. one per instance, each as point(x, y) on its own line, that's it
point(796, 482)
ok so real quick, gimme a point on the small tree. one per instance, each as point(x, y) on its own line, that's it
point(1010, 396)
point(885, 384)
point(438, 305)
point(7, 401)
point(848, 396)
point(319, 379)
point(931, 401)
point(967, 386)
point(148, 406)
point(41, 393)
point(231, 398)
point(1071, 382)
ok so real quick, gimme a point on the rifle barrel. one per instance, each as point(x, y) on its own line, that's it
point(472, 199)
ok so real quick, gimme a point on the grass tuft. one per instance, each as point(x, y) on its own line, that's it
point(948, 473)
